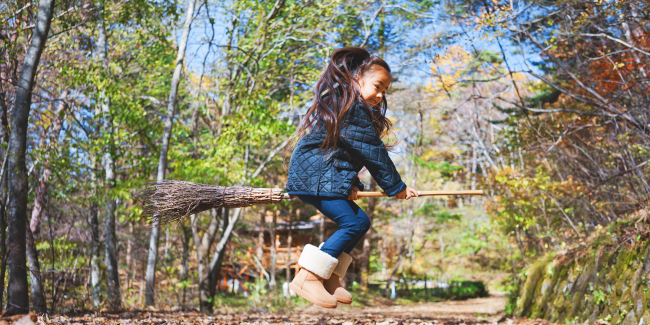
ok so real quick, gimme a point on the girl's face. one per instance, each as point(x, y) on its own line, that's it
point(373, 85)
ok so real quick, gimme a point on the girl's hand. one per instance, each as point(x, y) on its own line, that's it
point(407, 193)
point(353, 194)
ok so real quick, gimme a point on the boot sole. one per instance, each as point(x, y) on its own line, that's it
point(303, 294)
point(347, 302)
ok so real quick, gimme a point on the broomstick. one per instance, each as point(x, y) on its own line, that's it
point(170, 201)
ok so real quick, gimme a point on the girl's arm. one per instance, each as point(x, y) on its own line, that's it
point(360, 140)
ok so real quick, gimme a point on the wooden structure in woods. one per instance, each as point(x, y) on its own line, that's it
point(274, 241)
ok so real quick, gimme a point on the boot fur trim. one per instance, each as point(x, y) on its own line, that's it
point(316, 261)
point(344, 262)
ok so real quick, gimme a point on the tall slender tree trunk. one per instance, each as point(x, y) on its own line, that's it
point(38, 299)
point(183, 272)
point(215, 272)
point(4, 134)
point(220, 251)
point(110, 238)
point(43, 186)
point(3, 231)
point(95, 257)
point(273, 252)
point(368, 239)
point(129, 247)
point(18, 302)
point(167, 243)
point(289, 240)
point(260, 238)
point(202, 251)
point(7, 74)
point(164, 148)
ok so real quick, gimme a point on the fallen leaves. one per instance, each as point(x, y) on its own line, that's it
point(195, 318)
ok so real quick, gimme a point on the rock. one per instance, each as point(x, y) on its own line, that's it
point(645, 320)
point(638, 302)
point(594, 315)
point(630, 319)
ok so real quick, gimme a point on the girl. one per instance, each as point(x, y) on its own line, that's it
point(340, 134)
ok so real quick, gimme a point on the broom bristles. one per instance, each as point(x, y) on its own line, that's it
point(170, 201)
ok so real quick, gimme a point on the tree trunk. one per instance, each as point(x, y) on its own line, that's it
point(203, 250)
point(110, 238)
point(183, 272)
point(129, 250)
point(18, 302)
point(3, 215)
point(215, 272)
point(3, 232)
point(166, 244)
point(273, 251)
point(368, 238)
point(395, 269)
point(39, 200)
point(164, 148)
point(289, 240)
point(220, 251)
point(38, 299)
point(402, 251)
point(95, 259)
point(43, 186)
point(260, 238)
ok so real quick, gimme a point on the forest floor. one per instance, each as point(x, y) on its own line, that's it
point(473, 311)
point(491, 306)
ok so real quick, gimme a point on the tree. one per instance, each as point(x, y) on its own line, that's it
point(110, 238)
point(569, 157)
point(164, 148)
point(17, 171)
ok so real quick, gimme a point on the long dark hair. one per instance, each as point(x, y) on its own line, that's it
point(336, 91)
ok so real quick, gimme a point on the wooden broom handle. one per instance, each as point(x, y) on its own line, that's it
point(422, 193)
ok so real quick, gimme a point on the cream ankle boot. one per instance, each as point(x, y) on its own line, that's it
point(316, 266)
point(333, 284)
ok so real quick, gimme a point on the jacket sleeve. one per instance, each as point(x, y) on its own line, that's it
point(360, 141)
point(358, 184)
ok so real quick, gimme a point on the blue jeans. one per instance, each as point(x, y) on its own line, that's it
point(352, 221)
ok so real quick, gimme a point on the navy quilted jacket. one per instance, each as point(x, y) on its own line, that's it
point(313, 172)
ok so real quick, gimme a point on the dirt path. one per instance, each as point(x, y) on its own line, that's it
point(491, 306)
point(474, 311)
point(484, 306)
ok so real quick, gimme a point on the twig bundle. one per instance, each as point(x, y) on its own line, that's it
point(170, 201)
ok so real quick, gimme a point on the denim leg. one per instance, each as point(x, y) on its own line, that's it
point(352, 221)
point(364, 222)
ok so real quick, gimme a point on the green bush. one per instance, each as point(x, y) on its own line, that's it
point(461, 290)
